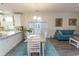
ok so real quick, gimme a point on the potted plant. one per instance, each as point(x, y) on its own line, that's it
point(27, 32)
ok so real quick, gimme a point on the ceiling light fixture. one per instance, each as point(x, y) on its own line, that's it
point(35, 17)
point(39, 18)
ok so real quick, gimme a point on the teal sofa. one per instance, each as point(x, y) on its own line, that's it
point(64, 35)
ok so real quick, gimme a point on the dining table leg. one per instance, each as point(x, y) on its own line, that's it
point(43, 44)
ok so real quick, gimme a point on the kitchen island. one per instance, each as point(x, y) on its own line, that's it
point(8, 40)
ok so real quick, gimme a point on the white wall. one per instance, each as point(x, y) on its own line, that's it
point(50, 18)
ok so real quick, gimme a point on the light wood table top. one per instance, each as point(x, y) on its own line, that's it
point(41, 37)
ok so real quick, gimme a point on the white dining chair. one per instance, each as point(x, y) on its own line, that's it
point(34, 46)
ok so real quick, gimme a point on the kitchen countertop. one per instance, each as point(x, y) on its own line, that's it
point(5, 34)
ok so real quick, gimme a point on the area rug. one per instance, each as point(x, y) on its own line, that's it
point(21, 49)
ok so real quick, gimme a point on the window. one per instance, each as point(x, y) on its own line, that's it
point(8, 23)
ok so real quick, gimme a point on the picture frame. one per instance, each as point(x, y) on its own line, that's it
point(59, 22)
point(72, 21)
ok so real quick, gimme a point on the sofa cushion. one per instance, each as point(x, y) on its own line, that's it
point(66, 32)
point(60, 33)
point(67, 35)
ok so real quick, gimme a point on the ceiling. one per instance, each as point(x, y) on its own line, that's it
point(40, 7)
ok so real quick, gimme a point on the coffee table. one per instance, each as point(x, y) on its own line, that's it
point(74, 41)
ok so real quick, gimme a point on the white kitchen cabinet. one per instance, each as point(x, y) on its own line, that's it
point(9, 41)
point(17, 20)
point(1, 21)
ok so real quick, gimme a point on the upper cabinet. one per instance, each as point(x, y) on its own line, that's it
point(17, 20)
